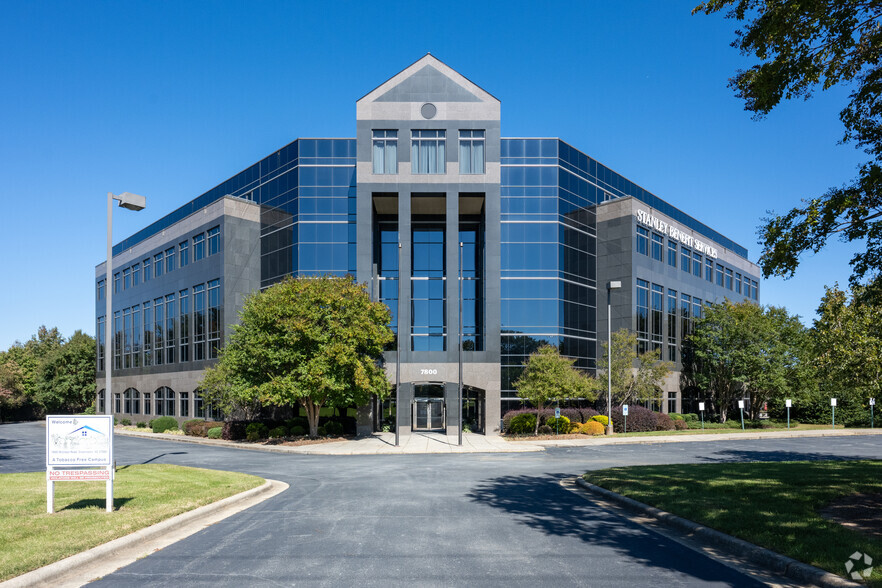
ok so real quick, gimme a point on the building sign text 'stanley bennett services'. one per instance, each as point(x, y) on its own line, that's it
point(644, 218)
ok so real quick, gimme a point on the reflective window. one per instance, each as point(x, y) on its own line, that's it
point(672, 325)
point(199, 322)
point(157, 265)
point(672, 253)
point(184, 253)
point(136, 336)
point(656, 315)
point(101, 334)
point(198, 246)
point(147, 263)
point(657, 246)
point(686, 259)
point(696, 264)
point(148, 409)
point(184, 325)
point(729, 278)
point(127, 278)
point(116, 283)
point(136, 274)
point(642, 316)
point(214, 318)
point(642, 240)
point(471, 152)
point(117, 340)
point(213, 240)
point(685, 315)
point(737, 282)
point(708, 269)
point(148, 333)
point(169, 259)
point(427, 152)
point(170, 335)
point(185, 404)
point(719, 275)
point(158, 331)
point(100, 293)
point(385, 152)
point(428, 288)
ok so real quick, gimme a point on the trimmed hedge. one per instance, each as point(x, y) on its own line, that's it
point(575, 415)
point(592, 427)
point(559, 425)
point(256, 431)
point(199, 427)
point(522, 424)
point(277, 432)
point(215, 432)
point(163, 424)
point(600, 418)
point(663, 422)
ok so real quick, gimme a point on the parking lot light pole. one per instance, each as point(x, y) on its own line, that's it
point(132, 202)
point(615, 285)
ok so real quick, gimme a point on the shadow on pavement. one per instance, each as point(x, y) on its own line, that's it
point(542, 504)
point(739, 455)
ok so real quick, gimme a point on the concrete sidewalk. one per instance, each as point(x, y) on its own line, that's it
point(424, 442)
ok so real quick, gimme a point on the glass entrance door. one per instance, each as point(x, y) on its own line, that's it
point(429, 414)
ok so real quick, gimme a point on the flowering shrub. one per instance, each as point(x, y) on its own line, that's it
point(591, 428)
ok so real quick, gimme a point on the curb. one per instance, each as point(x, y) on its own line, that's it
point(775, 562)
point(48, 574)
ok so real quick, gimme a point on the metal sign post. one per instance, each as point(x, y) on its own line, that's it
point(79, 449)
point(833, 408)
point(556, 420)
point(741, 406)
point(872, 404)
point(789, 403)
point(625, 414)
point(701, 410)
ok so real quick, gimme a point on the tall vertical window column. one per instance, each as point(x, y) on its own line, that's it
point(428, 288)
point(470, 235)
point(199, 322)
point(184, 325)
point(642, 316)
point(148, 333)
point(385, 152)
point(386, 258)
point(672, 325)
point(101, 334)
point(656, 317)
point(158, 332)
point(170, 341)
point(214, 318)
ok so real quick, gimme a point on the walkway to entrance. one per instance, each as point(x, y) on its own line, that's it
point(419, 442)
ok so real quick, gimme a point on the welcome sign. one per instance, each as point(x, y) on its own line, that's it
point(79, 440)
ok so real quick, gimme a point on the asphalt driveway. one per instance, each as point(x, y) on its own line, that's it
point(432, 520)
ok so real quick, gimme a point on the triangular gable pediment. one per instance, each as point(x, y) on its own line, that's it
point(428, 80)
point(428, 85)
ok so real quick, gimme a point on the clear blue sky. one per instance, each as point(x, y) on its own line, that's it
point(168, 98)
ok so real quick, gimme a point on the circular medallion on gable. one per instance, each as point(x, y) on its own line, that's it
point(428, 110)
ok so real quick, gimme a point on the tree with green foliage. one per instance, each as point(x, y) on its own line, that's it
point(635, 378)
point(548, 376)
point(313, 341)
point(740, 350)
point(847, 343)
point(66, 375)
point(20, 373)
point(802, 45)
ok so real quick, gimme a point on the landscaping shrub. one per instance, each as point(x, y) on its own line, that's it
point(586, 414)
point(545, 430)
point(141, 425)
point(297, 422)
point(298, 431)
point(194, 428)
point(600, 418)
point(561, 425)
point(574, 427)
point(681, 424)
point(125, 422)
point(277, 432)
point(663, 422)
point(256, 431)
point(522, 424)
point(592, 427)
point(322, 431)
point(234, 430)
point(691, 417)
point(163, 424)
point(676, 416)
point(640, 419)
point(215, 432)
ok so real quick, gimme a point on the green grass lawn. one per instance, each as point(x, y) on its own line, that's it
point(770, 504)
point(143, 495)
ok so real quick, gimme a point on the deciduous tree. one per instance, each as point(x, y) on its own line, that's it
point(635, 379)
point(548, 376)
point(802, 45)
point(313, 341)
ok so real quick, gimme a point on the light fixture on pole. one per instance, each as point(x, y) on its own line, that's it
point(459, 395)
point(614, 285)
point(131, 202)
point(398, 346)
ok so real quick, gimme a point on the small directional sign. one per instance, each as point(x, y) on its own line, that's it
point(625, 410)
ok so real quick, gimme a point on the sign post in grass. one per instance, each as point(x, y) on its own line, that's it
point(701, 410)
point(833, 408)
point(789, 403)
point(79, 449)
point(625, 414)
point(741, 406)
point(872, 404)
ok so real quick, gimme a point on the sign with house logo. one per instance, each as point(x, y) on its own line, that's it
point(79, 440)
